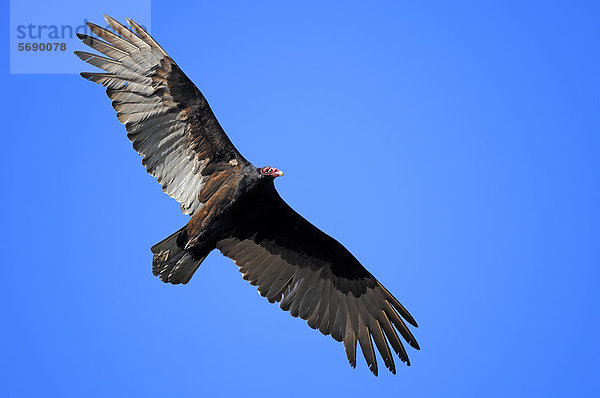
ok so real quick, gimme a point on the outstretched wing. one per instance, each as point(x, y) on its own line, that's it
point(167, 118)
point(316, 278)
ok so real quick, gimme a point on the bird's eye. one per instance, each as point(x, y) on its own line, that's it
point(267, 170)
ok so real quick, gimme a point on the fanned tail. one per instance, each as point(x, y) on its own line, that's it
point(172, 263)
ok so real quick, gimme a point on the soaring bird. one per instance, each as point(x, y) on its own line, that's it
point(234, 206)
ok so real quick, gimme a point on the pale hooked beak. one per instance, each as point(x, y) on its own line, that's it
point(278, 173)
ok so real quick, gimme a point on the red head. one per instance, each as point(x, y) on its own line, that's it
point(270, 171)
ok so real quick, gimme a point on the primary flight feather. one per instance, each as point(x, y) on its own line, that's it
point(234, 206)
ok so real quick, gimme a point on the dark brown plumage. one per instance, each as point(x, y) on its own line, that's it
point(234, 206)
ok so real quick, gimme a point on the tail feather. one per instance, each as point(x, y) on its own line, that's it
point(171, 262)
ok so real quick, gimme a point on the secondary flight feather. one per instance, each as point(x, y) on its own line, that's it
point(234, 206)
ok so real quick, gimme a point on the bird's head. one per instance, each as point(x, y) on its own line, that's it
point(270, 172)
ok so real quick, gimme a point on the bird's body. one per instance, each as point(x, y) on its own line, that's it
point(234, 206)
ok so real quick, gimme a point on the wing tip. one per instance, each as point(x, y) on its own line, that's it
point(352, 362)
point(409, 318)
point(374, 369)
point(413, 343)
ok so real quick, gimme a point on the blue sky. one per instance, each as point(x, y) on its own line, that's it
point(451, 146)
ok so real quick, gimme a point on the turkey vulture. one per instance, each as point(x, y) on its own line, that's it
point(234, 206)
